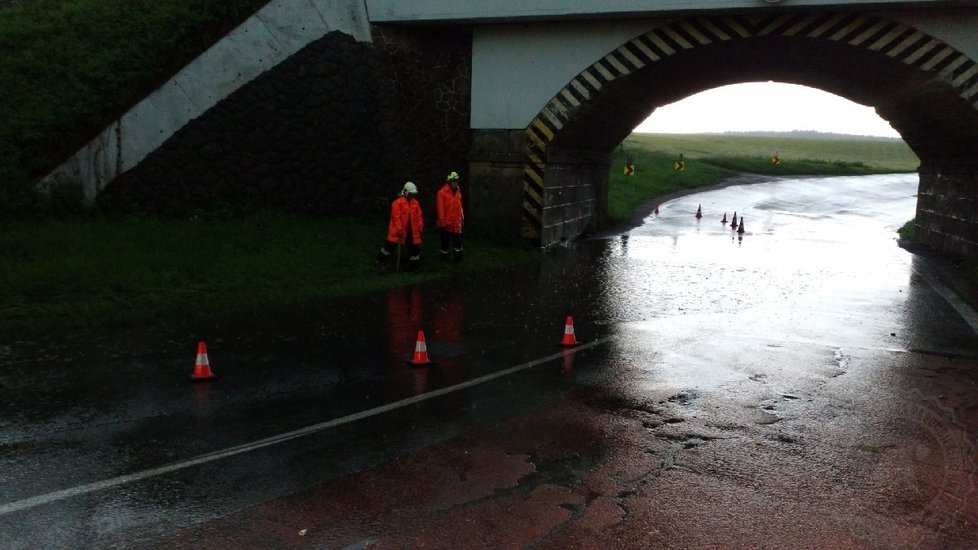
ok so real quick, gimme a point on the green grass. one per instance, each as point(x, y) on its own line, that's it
point(655, 176)
point(908, 230)
point(75, 273)
point(880, 155)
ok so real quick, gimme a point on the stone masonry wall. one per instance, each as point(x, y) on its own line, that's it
point(947, 210)
point(428, 73)
point(336, 128)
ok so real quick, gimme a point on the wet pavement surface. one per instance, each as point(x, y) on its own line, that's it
point(804, 384)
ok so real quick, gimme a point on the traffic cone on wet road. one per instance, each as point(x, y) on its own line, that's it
point(569, 338)
point(699, 211)
point(724, 220)
point(733, 222)
point(202, 368)
point(420, 358)
point(656, 211)
point(740, 229)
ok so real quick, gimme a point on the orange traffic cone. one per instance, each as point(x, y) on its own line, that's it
point(420, 358)
point(569, 338)
point(202, 369)
point(740, 229)
point(733, 222)
point(656, 209)
point(724, 220)
point(699, 211)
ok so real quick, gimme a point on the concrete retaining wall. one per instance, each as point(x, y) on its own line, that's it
point(303, 107)
point(269, 37)
point(305, 135)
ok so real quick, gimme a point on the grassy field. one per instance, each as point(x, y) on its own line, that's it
point(709, 159)
point(880, 155)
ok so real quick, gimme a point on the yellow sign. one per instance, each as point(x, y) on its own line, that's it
point(775, 159)
point(680, 165)
point(629, 169)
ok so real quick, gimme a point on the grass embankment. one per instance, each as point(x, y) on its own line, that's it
point(69, 67)
point(80, 272)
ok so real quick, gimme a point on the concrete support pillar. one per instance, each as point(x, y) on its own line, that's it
point(947, 208)
point(574, 194)
point(495, 191)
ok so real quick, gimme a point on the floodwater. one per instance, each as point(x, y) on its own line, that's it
point(810, 341)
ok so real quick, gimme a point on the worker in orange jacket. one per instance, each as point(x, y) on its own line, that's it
point(450, 217)
point(405, 227)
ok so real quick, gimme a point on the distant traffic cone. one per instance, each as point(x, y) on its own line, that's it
point(569, 338)
point(724, 220)
point(733, 222)
point(740, 229)
point(420, 358)
point(699, 211)
point(656, 209)
point(202, 368)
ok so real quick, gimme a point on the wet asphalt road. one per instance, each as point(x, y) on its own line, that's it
point(803, 384)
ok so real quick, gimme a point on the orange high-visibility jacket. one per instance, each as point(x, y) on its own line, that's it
point(405, 213)
point(449, 206)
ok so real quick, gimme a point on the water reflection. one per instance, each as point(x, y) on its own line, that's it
point(202, 400)
point(821, 256)
point(405, 318)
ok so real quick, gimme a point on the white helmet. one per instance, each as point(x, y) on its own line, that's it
point(409, 189)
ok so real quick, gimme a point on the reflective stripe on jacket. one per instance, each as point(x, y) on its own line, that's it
point(449, 206)
point(405, 213)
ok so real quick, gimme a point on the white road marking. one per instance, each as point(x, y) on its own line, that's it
point(62, 494)
point(964, 310)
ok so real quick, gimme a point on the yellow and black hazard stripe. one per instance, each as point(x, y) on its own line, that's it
point(539, 135)
point(880, 36)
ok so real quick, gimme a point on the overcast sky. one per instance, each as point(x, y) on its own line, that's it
point(766, 106)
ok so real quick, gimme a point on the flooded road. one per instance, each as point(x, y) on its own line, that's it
point(804, 383)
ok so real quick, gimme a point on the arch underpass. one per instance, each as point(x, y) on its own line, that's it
point(926, 89)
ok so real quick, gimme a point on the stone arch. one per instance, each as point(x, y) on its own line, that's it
point(925, 88)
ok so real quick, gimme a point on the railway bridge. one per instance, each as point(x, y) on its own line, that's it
point(531, 98)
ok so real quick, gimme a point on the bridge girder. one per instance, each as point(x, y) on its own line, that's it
point(478, 12)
